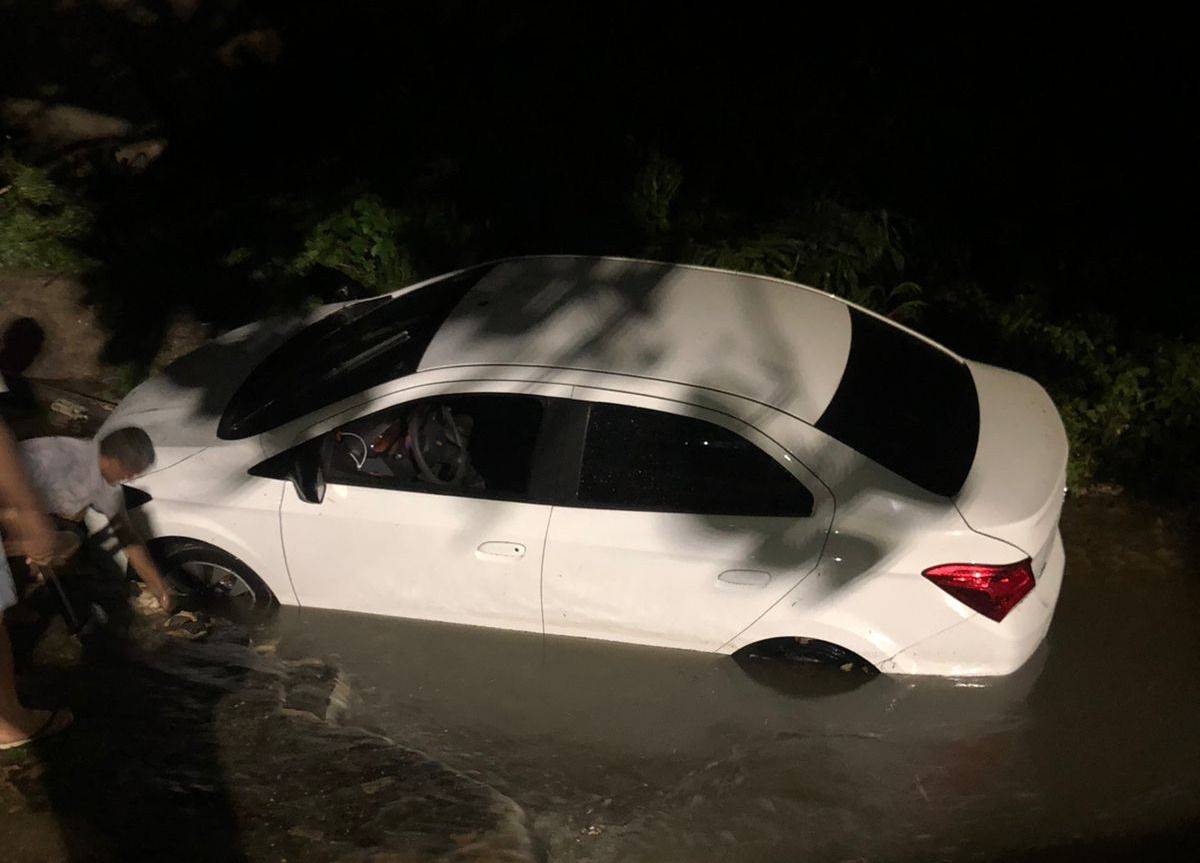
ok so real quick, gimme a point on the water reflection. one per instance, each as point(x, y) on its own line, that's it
point(620, 752)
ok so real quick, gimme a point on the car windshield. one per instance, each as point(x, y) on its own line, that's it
point(907, 405)
point(357, 347)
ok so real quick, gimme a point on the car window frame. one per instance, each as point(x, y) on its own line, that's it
point(584, 397)
point(536, 492)
point(545, 480)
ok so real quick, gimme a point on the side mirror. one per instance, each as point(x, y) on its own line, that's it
point(300, 465)
point(307, 476)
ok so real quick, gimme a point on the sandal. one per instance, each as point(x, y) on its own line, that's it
point(59, 720)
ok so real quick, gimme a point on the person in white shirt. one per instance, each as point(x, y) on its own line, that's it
point(73, 475)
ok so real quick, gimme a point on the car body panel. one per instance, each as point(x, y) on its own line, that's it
point(686, 325)
point(210, 497)
point(1015, 488)
point(981, 647)
point(867, 593)
point(674, 579)
point(419, 554)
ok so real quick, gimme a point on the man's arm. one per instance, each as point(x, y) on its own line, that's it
point(139, 558)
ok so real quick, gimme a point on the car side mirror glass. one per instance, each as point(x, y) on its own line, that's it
point(307, 475)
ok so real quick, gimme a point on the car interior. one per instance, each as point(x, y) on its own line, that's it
point(478, 443)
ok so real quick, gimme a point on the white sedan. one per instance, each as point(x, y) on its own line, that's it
point(622, 450)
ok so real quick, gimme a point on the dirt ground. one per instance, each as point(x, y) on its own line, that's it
point(75, 337)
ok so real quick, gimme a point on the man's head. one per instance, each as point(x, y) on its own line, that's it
point(125, 454)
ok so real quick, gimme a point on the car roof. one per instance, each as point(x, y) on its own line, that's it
point(763, 339)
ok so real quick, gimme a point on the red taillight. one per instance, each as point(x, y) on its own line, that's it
point(990, 590)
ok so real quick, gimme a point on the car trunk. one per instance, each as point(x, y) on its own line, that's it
point(1014, 490)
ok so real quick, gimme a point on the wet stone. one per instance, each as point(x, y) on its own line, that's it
point(225, 752)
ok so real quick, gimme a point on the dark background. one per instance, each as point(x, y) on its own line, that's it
point(1055, 151)
point(1014, 154)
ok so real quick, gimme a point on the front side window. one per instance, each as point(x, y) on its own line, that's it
point(641, 459)
point(475, 445)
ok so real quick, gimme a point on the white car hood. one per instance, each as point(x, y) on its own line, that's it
point(181, 406)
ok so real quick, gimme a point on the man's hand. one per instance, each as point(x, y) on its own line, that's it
point(166, 599)
point(143, 564)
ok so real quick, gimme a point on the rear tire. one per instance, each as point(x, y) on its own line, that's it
point(215, 582)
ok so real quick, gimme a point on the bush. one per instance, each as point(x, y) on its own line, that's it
point(363, 240)
point(857, 255)
point(41, 226)
point(1130, 402)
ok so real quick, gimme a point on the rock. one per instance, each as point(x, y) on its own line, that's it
point(61, 125)
point(376, 786)
point(140, 155)
point(307, 833)
point(187, 624)
point(341, 700)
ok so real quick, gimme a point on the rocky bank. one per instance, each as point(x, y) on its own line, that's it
point(216, 749)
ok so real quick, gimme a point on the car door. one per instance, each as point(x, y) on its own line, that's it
point(386, 540)
point(686, 525)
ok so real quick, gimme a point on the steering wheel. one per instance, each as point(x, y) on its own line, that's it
point(416, 428)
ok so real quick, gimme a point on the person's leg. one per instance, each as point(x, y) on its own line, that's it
point(16, 722)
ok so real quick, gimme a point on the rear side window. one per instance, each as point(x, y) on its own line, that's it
point(906, 405)
point(641, 459)
point(355, 348)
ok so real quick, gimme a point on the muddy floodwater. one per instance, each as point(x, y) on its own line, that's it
point(334, 737)
point(625, 753)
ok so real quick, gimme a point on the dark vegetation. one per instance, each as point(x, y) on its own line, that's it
point(1030, 204)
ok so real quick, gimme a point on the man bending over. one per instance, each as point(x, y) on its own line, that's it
point(73, 475)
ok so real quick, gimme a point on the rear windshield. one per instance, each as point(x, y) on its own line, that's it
point(907, 405)
point(358, 347)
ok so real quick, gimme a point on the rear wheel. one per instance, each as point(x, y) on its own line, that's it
point(804, 667)
point(216, 582)
point(810, 651)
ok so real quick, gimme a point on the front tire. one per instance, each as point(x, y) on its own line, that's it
point(215, 582)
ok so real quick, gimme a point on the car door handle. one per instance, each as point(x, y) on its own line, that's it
point(500, 549)
point(748, 577)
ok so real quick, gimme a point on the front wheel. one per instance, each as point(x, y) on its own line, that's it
point(216, 582)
